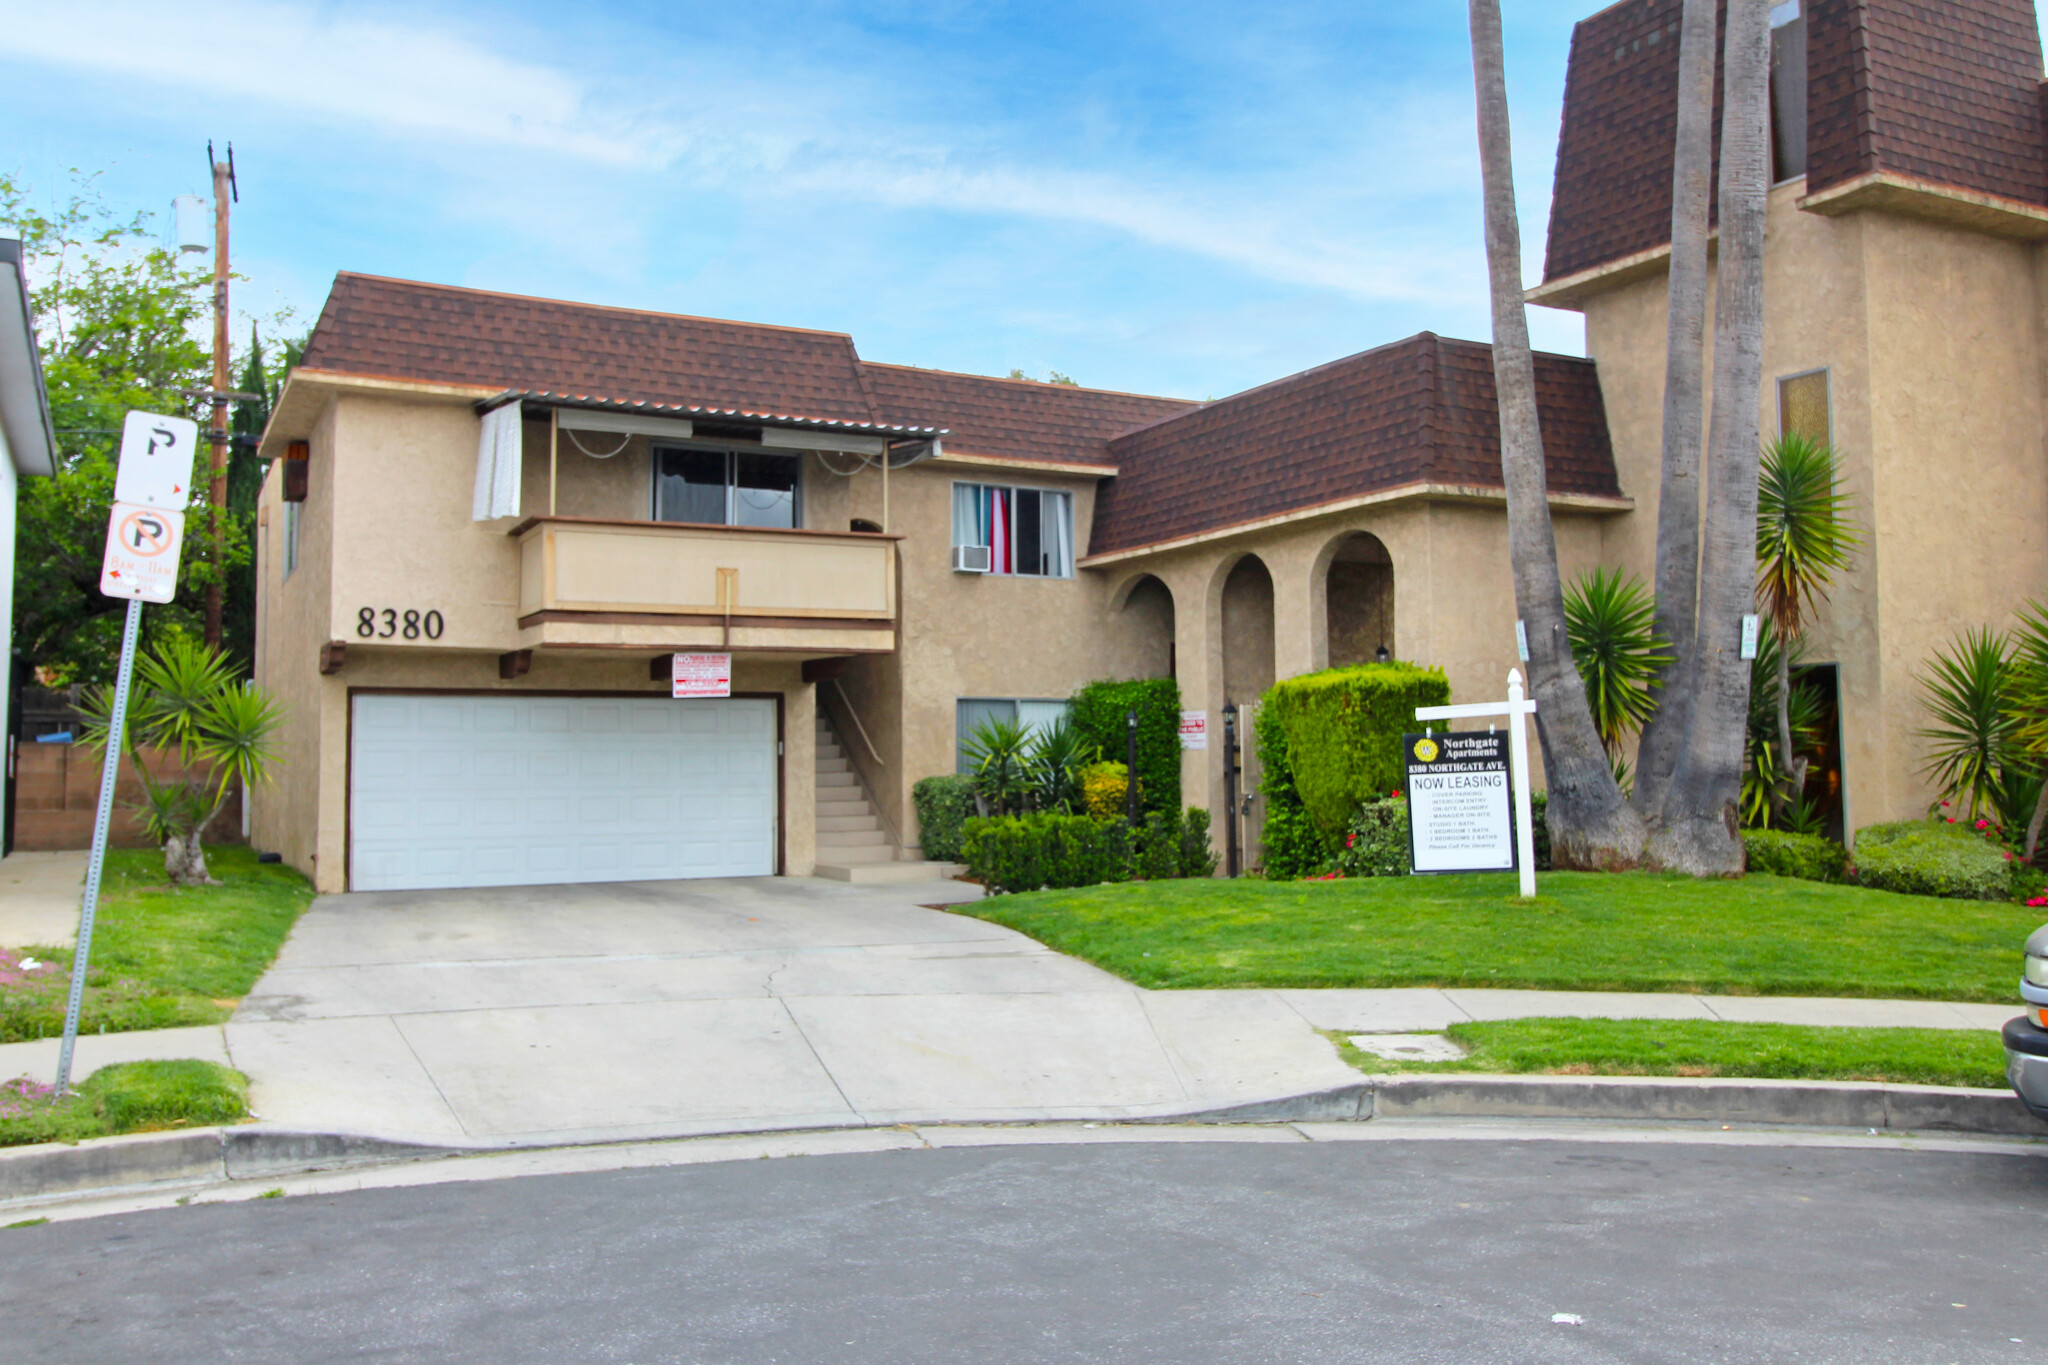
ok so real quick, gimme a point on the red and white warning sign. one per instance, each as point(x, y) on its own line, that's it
point(143, 544)
point(702, 675)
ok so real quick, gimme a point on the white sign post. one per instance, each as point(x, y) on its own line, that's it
point(144, 538)
point(1514, 708)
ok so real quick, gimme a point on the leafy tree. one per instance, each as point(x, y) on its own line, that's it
point(121, 321)
point(1803, 537)
point(1591, 825)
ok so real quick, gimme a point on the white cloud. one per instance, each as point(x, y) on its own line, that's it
point(763, 135)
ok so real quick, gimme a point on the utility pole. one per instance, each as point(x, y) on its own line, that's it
point(225, 192)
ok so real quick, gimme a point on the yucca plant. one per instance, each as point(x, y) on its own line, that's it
point(185, 701)
point(1059, 753)
point(998, 754)
point(1607, 616)
point(1969, 691)
point(2027, 709)
point(1803, 538)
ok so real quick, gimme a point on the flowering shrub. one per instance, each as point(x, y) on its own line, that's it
point(1377, 843)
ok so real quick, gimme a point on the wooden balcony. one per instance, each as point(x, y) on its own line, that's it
point(587, 583)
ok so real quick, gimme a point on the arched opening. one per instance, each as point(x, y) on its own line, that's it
point(1248, 672)
point(1359, 601)
point(1145, 628)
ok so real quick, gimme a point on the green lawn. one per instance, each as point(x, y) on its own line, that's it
point(161, 957)
point(1691, 1047)
point(130, 1097)
point(1760, 935)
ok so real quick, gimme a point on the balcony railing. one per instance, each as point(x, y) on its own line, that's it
point(588, 582)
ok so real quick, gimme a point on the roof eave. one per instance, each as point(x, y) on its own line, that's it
point(24, 399)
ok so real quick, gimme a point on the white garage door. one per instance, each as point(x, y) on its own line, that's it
point(512, 791)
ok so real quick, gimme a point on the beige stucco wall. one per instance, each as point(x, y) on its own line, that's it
point(1932, 339)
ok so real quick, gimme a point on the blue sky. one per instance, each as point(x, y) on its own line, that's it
point(1186, 198)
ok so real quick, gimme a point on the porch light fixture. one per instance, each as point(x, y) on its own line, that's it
point(1380, 655)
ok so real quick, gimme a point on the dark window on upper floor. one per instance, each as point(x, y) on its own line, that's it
point(1788, 90)
point(727, 487)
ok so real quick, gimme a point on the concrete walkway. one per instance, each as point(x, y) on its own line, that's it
point(39, 898)
point(560, 1014)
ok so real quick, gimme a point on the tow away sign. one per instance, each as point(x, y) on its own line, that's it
point(143, 544)
point(701, 675)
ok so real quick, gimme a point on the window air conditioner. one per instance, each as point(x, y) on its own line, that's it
point(970, 559)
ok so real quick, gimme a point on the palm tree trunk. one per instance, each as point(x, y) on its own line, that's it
point(1678, 497)
point(1591, 826)
point(1794, 769)
point(1700, 832)
point(2034, 825)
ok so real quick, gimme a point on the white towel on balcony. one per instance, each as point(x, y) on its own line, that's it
point(498, 455)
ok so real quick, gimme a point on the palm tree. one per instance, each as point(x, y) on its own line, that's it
point(1609, 617)
point(1678, 497)
point(1969, 691)
point(1700, 825)
point(1591, 825)
point(1803, 537)
point(2027, 706)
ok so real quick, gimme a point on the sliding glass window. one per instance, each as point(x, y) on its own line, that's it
point(727, 487)
point(1027, 531)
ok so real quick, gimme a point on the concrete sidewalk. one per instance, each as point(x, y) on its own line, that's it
point(578, 1013)
point(39, 898)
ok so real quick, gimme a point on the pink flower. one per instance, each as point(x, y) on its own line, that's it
point(1983, 824)
point(2038, 901)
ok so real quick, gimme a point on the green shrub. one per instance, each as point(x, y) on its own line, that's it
point(943, 805)
point(1377, 844)
point(1292, 846)
point(1805, 856)
point(1098, 712)
point(1343, 731)
point(1923, 858)
point(1197, 857)
point(1539, 821)
point(1155, 849)
point(1103, 788)
point(1046, 849)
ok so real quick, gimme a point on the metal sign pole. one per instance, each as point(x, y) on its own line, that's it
point(110, 773)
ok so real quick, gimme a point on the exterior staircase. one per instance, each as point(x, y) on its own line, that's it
point(852, 845)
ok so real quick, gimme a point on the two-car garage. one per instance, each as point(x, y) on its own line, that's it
point(507, 789)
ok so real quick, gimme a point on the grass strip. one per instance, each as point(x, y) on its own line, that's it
point(1630, 931)
point(162, 956)
point(1699, 1048)
point(128, 1097)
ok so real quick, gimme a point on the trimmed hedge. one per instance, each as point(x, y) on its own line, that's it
point(1291, 847)
point(1923, 858)
point(1050, 850)
point(1805, 856)
point(944, 804)
point(1344, 728)
point(1098, 712)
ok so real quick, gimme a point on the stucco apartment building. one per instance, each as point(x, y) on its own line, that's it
point(491, 520)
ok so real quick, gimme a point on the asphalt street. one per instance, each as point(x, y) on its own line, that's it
point(1466, 1251)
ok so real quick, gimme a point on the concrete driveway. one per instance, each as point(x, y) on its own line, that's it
point(550, 1014)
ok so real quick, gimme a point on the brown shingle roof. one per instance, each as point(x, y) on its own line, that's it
point(439, 333)
point(1943, 90)
point(1417, 411)
point(1013, 417)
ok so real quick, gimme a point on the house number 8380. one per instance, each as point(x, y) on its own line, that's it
point(384, 623)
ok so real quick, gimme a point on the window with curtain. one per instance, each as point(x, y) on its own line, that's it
point(727, 487)
point(1028, 531)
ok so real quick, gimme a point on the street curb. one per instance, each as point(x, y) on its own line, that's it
point(205, 1155)
point(1806, 1104)
point(192, 1156)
